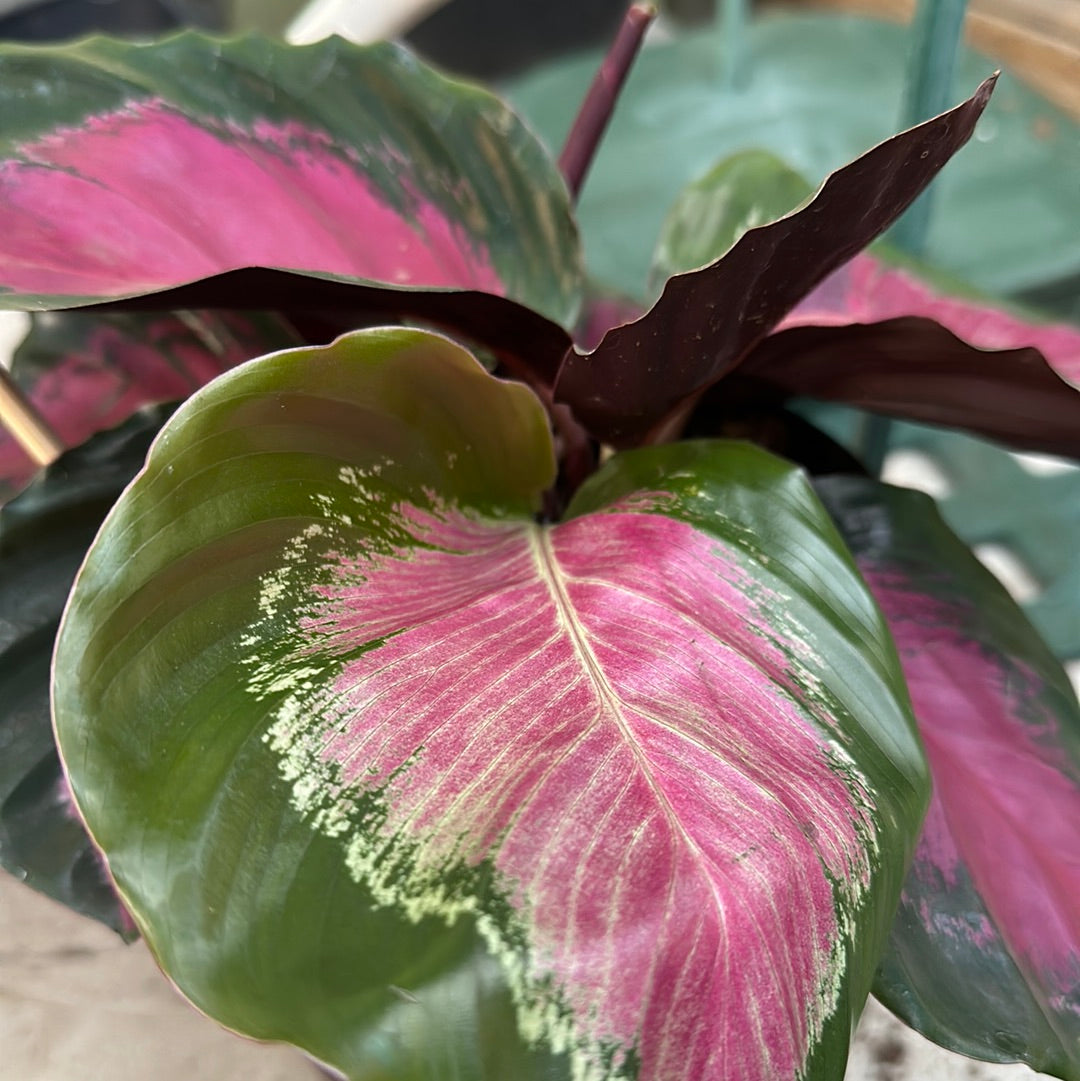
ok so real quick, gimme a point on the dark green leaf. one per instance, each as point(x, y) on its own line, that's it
point(44, 535)
point(985, 952)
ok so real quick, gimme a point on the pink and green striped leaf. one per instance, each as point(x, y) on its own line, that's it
point(387, 768)
point(128, 169)
point(88, 373)
point(985, 953)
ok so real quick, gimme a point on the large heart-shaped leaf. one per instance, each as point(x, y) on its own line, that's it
point(85, 374)
point(386, 768)
point(985, 953)
point(819, 88)
point(707, 320)
point(128, 169)
point(44, 535)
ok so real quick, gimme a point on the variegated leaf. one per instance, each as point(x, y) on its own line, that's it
point(88, 373)
point(388, 768)
point(985, 953)
point(132, 168)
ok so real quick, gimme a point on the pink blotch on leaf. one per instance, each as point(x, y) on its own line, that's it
point(146, 198)
point(1007, 797)
point(112, 373)
point(608, 719)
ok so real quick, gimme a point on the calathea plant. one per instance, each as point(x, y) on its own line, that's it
point(408, 731)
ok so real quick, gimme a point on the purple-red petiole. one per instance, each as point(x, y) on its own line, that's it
point(595, 112)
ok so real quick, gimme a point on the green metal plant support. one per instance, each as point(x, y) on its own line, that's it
point(936, 34)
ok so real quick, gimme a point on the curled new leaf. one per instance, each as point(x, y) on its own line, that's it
point(706, 321)
point(984, 956)
point(387, 768)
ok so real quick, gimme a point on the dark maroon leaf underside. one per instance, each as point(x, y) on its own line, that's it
point(870, 290)
point(916, 369)
point(708, 320)
point(532, 345)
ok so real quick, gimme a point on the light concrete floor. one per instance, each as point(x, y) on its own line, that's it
point(76, 1004)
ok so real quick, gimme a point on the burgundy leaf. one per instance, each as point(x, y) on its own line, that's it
point(867, 290)
point(707, 321)
point(531, 344)
point(916, 369)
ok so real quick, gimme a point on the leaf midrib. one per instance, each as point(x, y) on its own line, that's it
point(551, 574)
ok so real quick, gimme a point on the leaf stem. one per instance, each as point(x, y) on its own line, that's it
point(595, 112)
point(26, 425)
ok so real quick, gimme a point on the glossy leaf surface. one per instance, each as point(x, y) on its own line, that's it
point(44, 535)
point(985, 953)
point(820, 89)
point(87, 373)
point(128, 169)
point(707, 320)
point(387, 769)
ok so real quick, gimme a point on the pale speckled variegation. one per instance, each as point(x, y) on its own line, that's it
point(587, 739)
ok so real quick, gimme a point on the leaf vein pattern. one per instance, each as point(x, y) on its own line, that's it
point(662, 821)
